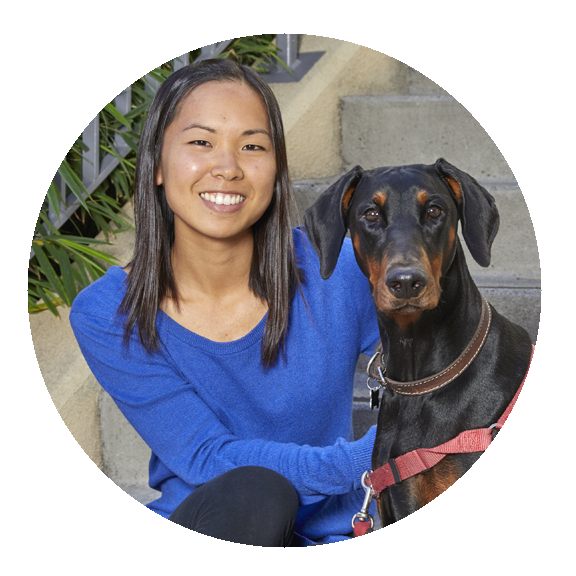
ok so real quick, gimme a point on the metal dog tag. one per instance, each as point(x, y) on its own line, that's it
point(374, 398)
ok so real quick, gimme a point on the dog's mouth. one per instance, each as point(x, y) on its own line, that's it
point(406, 309)
point(403, 314)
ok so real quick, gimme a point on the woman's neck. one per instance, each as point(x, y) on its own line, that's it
point(211, 266)
point(214, 299)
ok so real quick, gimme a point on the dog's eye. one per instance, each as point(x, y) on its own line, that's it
point(433, 212)
point(372, 215)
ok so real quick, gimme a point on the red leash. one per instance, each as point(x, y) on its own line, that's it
point(398, 469)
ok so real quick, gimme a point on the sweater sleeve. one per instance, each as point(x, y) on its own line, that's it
point(186, 435)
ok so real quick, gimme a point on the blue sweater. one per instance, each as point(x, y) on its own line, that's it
point(205, 407)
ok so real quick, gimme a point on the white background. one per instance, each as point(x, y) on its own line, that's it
point(510, 64)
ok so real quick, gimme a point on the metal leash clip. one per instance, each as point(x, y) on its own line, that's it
point(364, 514)
point(375, 391)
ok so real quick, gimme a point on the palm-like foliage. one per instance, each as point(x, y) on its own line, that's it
point(66, 260)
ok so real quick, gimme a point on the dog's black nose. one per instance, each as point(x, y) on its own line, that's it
point(406, 282)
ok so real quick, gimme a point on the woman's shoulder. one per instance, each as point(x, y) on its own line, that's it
point(102, 297)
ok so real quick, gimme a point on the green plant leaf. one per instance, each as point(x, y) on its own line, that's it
point(43, 216)
point(74, 183)
point(79, 248)
point(115, 113)
point(51, 302)
point(66, 276)
point(75, 239)
point(122, 160)
point(111, 109)
point(48, 271)
point(80, 275)
point(53, 197)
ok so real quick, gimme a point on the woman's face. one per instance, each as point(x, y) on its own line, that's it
point(217, 165)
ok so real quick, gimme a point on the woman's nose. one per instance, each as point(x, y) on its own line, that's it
point(226, 165)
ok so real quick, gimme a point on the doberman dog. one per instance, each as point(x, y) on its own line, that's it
point(403, 225)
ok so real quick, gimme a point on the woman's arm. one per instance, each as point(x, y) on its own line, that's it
point(185, 434)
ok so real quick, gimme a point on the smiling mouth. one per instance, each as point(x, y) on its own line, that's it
point(223, 199)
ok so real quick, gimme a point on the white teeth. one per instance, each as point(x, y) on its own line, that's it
point(225, 199)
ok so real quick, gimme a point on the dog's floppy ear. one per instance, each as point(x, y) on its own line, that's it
point(476, 208)
point(325, 221)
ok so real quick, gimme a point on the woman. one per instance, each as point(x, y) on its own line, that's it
point(220, 342)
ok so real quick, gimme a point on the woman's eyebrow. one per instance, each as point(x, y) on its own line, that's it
point(256, 131)
point(249, 132)
point(201, 126)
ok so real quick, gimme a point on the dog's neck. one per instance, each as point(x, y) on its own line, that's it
point(435, 338)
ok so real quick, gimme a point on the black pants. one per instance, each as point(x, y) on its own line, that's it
point(248, 505)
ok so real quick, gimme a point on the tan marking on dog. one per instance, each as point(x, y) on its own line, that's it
point(422, 197)
point(357, 250)
point(451, 237)
point(436, 269)
point(404, 321)
point(456, 188)
point(377, 277)
point(346, 199)
point(380, 199)
point(424, 487)
point(380, 508)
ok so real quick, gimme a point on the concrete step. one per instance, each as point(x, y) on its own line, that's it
point(417, 128)
point(125, 455)
point(515, 259)
point(418, 84)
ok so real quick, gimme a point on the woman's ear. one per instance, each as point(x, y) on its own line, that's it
point(158, 178)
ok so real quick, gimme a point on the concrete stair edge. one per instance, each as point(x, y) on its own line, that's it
point(417, 128)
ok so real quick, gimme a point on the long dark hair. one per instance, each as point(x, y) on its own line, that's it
point(274, 274)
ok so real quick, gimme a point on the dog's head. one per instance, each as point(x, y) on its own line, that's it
point(403, 224)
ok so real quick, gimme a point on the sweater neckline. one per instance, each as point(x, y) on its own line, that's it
point(202, 343)
point(168, 324)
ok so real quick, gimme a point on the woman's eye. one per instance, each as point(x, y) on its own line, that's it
point(433, 212)
point(252, 147)
point(200, 142)
point(372, 215)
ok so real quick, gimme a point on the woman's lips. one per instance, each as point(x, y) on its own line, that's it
point(221, 202)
